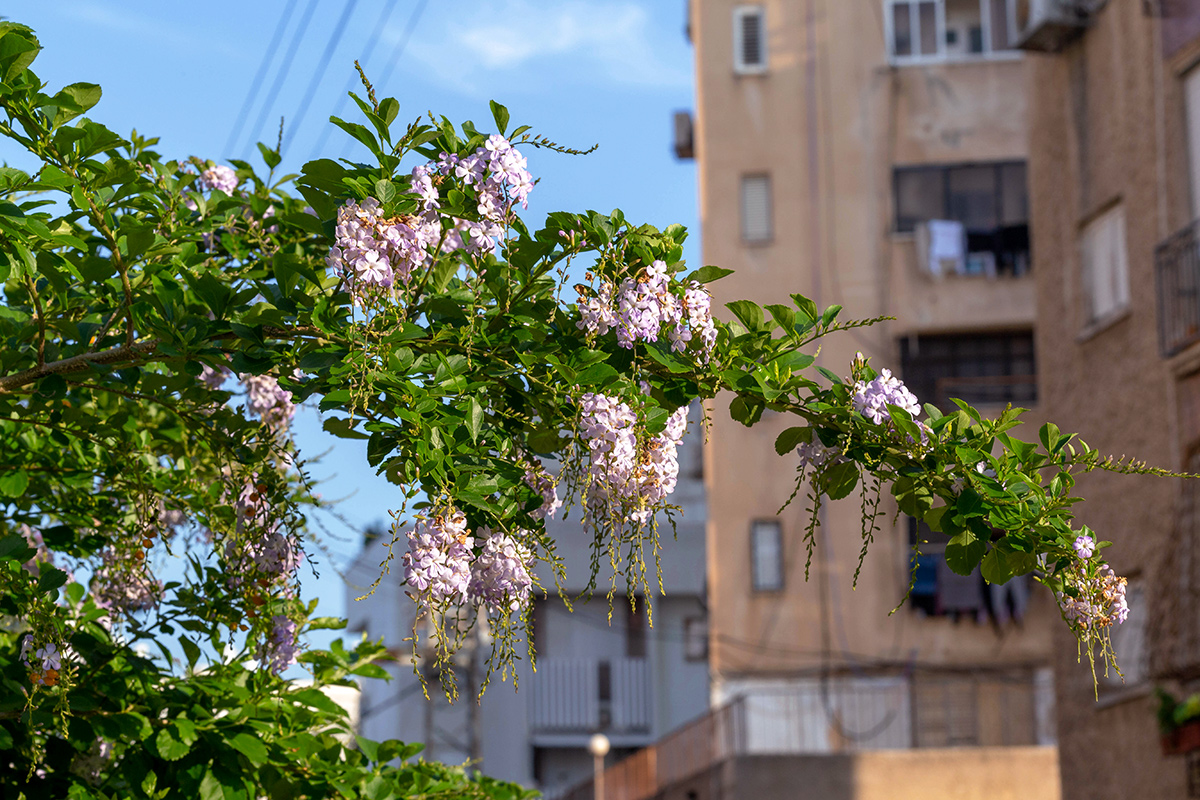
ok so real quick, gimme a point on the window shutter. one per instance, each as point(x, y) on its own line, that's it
point(749, 39)
point(756, 209)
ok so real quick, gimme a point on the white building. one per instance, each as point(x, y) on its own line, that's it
point(627, 679)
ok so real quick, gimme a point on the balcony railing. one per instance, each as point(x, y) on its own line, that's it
point(584, 695)
point(839, 715)
point(1177, 269)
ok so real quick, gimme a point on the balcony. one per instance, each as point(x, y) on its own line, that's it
point(1177, 270)
point(1007, 712)
point(585, 695)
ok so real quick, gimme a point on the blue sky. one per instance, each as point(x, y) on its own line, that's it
point(579, 71)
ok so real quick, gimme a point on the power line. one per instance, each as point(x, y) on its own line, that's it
point(286, 65)
point(413, 19)
point(334, 38)
point(256, 84)
point(380, 25)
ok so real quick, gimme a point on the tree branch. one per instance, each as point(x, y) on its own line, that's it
point(125, 353)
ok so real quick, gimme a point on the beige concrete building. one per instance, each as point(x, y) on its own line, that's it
point(1114, 112)
point(871, 154)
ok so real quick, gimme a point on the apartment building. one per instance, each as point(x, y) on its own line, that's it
point(1114, 113)
point(621, 676)
point(871, 154)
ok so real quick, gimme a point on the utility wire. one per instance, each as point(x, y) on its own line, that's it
point(368, 51)
point(334, 38)
point(413, 19)
point(284, 67)
point(256, 84)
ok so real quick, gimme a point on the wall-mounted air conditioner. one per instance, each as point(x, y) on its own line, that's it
point(1046, 26)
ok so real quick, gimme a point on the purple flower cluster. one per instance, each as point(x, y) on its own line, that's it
point(1101, 602)
point(872, 398)
point(122, 583)
point(543, 484)
point(219, 178)
point(40, 657)
point(278, 652)
point(268, 400)
point(438, 561)
point(273, 556)
point(617, 472)
point(500, 576)
point(641, 308)
point(91, 765)
point(373, 253)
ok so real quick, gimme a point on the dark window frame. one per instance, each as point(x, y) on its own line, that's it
point(980, 378)
point(1008, 240)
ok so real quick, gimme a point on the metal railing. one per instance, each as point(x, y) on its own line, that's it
point(583, 695)
point(835, 715)
point(1177, 273)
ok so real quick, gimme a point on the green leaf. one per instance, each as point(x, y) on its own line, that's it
point(786, 442)
point(270, 157)
point(343, 428)
point(840, 479)
point(385, 191)
point(708, 274)
point(995, 567)
point(210, 787)
point(474, 418)
point(369, 748)
point(964, 552)
point(389, 107)
point(748, 313)
point(784, 316)
point(326, 623)
point(191, 651)
point(251, 747)
point(14, 484)
point(500, 114)
point(170, 745)
point(50, 579)
point(74, 100)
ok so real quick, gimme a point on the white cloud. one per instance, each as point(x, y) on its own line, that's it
point(599, 41)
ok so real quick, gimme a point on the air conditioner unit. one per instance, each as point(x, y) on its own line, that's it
point(1046, 26)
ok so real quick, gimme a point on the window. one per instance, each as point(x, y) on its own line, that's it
point(749, 40)
point(980, 368)
point(943, 30)
point(1105, 265)
point(766, 555)
point(990, 200)
point(756, 209)
point(695, 639)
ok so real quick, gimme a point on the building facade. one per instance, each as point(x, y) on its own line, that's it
point(870, 154)
point(1114, 112)
point(596, 673)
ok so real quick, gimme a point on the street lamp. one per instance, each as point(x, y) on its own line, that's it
point(598, 746)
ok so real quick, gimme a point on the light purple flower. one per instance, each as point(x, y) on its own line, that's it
point(872, 398)
point(219, 178)
point(1084, 546)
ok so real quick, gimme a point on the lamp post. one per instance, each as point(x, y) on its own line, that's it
point(598, 746)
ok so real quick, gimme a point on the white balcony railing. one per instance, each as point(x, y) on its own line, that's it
point(582, 695)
